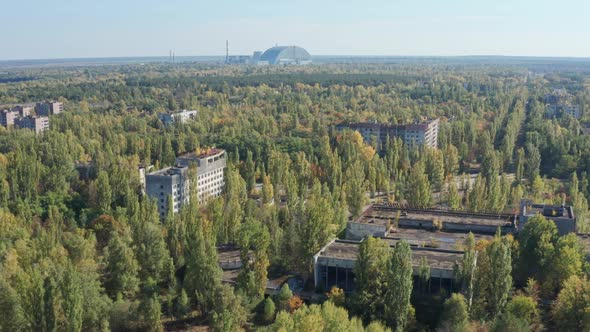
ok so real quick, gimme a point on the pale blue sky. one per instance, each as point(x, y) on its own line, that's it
point(34, 29)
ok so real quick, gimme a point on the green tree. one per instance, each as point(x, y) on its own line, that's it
point(371, 272)
point(11, 312)
point(121, 268)
point(523, 307)
point(183, 305)
point(104, 193)
point(419, 193)
point(249, 173)
point(151, 314)
point(454, 315)
point(571, 311)
point(355, 188)
point(203, 274)
point(399, 286)
point(283, 297)
point(453, 198)
point(269, 310)
point(536, 241)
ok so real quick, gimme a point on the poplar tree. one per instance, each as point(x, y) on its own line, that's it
point(399, 286)
point(372, 277)
point(419, 192)
point(103, 192)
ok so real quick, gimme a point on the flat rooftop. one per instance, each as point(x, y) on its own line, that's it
point(433, 239)
point(208, 153)
point(348, 250)
point(551, 211)
point(167, 171)
point(382, 214)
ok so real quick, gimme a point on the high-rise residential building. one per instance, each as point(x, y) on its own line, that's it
point(7, 117)
point(49, 108)
point(183, 116)
point(412, 134)
point(168, 183)
point(210, 171)
point(36, 123)
point(23, 110)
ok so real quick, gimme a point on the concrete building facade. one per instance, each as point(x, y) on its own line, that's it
point(36, 123)
point(182, 117)
point(8, 117)
point(563, 216)
point(168, 183)
point(413, 134)
point(210, 171)
point(47, 108)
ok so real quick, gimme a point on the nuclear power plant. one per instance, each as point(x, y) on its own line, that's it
point(278, 55)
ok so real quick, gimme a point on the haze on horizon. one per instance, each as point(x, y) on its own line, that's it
point(76, 29)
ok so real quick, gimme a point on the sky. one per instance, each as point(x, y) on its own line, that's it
point(45, 29)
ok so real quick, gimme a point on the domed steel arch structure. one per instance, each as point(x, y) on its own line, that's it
point(286, 55)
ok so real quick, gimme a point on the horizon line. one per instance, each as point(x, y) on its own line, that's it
point(317, 55)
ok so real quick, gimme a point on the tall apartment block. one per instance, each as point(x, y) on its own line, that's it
point(183, 116)
point(412, 134)
point(49, 108)
point(36, 123)
point(210, 171)
point(7, 117)
point(168, 183)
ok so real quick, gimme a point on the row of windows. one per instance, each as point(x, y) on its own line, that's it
point(215, 171)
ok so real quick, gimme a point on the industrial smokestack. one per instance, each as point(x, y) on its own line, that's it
point(226, 51)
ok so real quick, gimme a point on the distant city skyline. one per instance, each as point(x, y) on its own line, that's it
point(36, 29)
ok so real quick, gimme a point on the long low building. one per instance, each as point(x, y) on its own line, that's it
point(378, 221)
point(334, 264)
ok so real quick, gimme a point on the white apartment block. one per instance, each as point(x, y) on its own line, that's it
point(168, 183)
point(210, 171)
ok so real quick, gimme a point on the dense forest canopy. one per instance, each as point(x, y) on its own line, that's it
point(91, 253)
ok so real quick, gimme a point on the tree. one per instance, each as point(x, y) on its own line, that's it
point(571, 311)
point(371, 271)
point(151, 314)
point(493, 278)
point(269, 310)
point(453, 198)
point(466, 268)
point(228, 312)
point(183, 305)
point(355, 188)
point(233, 213)
point(267, 190)
point(103, 192)
point(73, 299)
point(419, 193)
point(533, 163)
point(336, 295)
point(523, 307)
point(399, 286)
point(500, 260)
point(454, 315)
point(509, 323)
point(121, 268)
point(451, 160)
point(566, 260)
point(435, 168)
point(316, 217)
point(11, 312)
point(520, 164)
point(283, 297)
point(253, 276)
point(536, 241)
point(249, 172)
point(203, 274)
